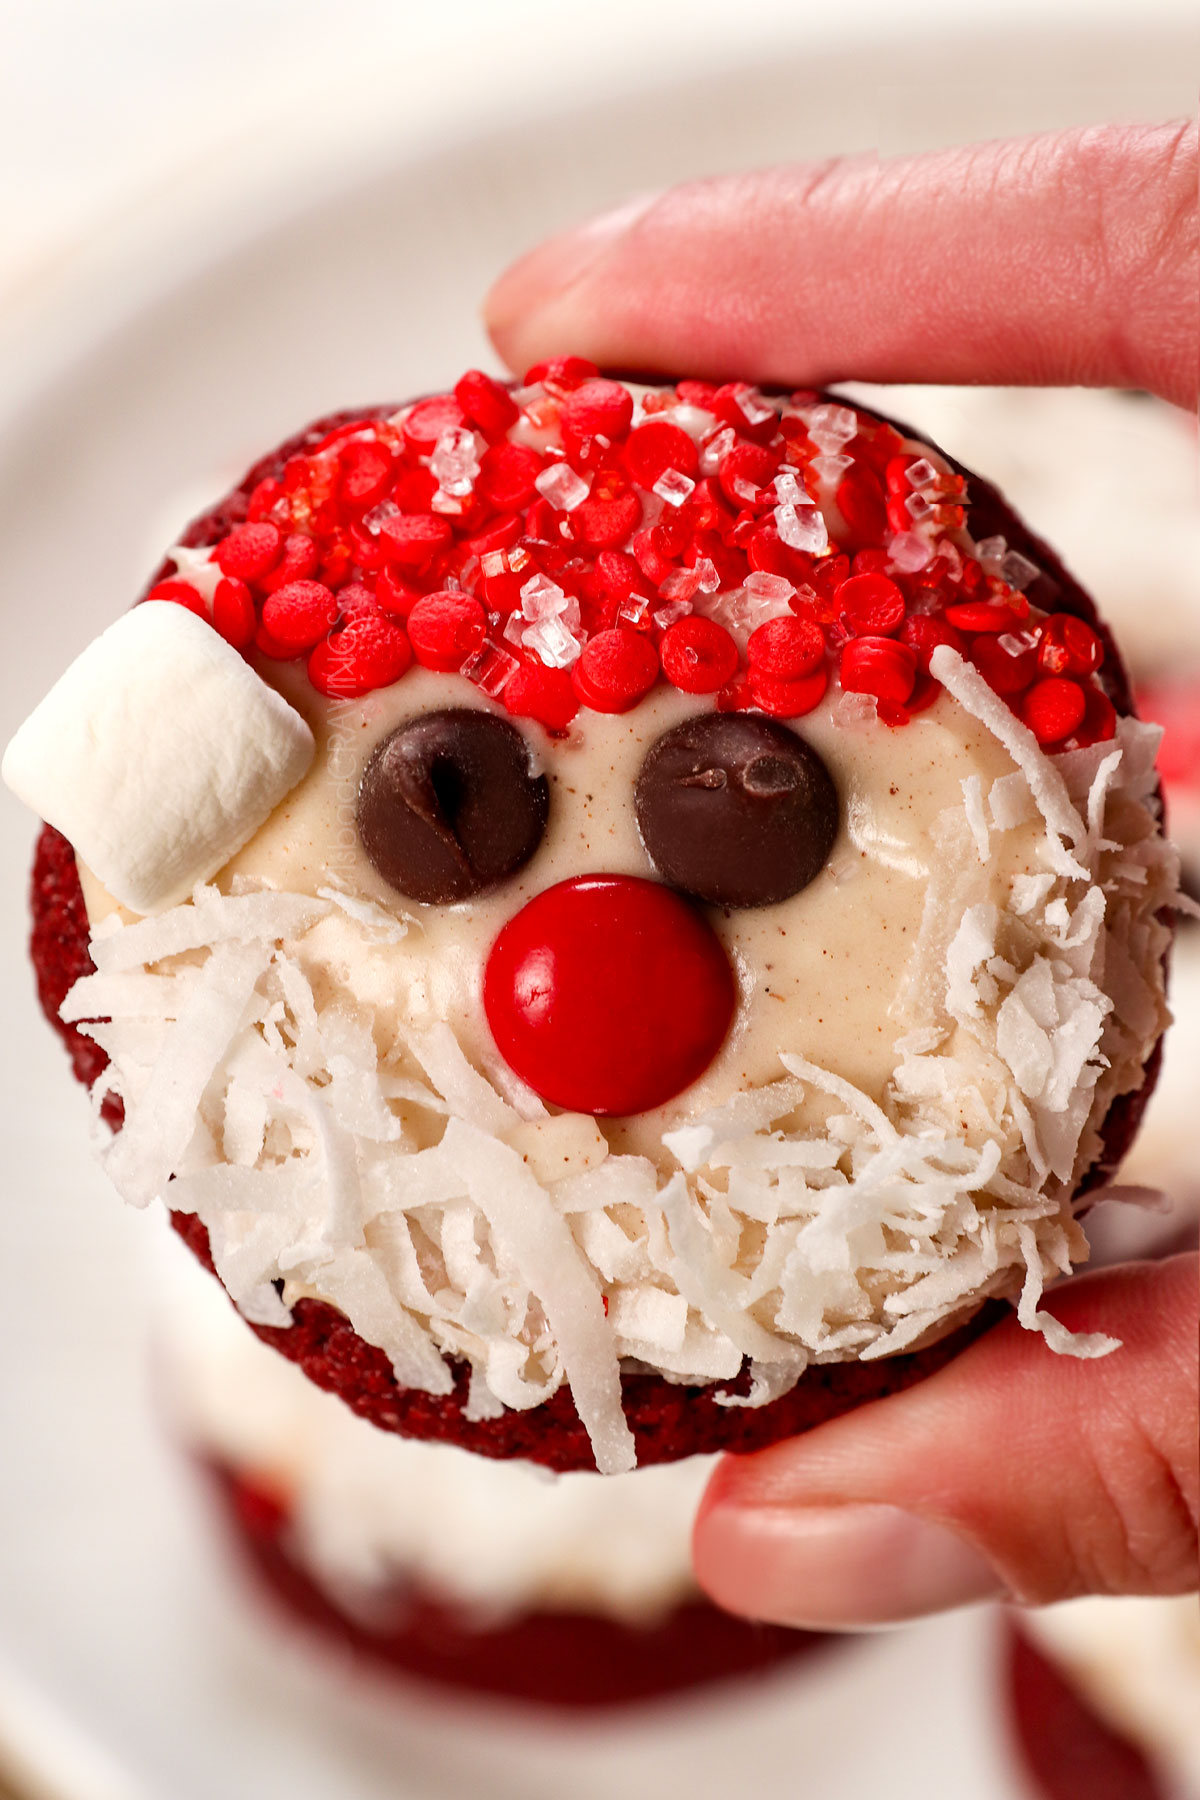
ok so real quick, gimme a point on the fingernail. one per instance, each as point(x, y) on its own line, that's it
point(837, 1567)
point(558, 264)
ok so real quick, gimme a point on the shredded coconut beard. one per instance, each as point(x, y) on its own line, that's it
point(393, 1181)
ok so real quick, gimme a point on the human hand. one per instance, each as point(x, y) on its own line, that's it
point(1071, 258)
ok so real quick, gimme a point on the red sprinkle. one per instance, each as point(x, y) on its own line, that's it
point(1054, 709)
point(924, 634)
point(698, 656)
point(233, 613)
point(430, 419)
point(745, 469)
point(547, 695)
point(788, 699)
point(1007, 672)
point(298, 563)
point(988, 615)
point(182, 593)
point(414, 539)
point(561, 373)
point(486, 403)
point(249, 551)
point(506, 475)
point(366, 472)
point(1069, 646)
point(879, 666)
point(299, 615)
point(445, 629)
point(785, 649)
point(872, 606)
point(596, 408)
point(657, 446)
point(370, 652)
point(616, 669)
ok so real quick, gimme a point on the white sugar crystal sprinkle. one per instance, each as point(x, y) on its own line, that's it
point(910, 552)
point(542, 598)
point(674, 487)
point(922, 474)
point(550, 640)
point(491, 669)
point(991, 552)
point(765, 586)
point(789, 491)
point(802, 528)
point(751, 404)
point(709, 579)
point(377, 518)
point(561, 486)
point(454, 463)
point(830, 427)
point(917, 506)
point(1017, 570)
point(667, 615)
point(680, 584)
point(632, 609)
point(716, 450)
point(829, 469)
point(854, 712)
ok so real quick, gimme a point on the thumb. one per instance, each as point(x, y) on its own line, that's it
point(1011, 1473)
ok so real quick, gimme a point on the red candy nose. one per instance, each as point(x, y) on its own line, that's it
point(608, 994)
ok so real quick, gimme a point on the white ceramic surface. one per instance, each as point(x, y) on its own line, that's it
point(198, 336)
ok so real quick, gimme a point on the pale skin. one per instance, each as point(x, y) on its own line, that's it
point(1068, 258)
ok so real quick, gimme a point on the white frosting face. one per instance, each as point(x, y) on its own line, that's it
point(927, 1040)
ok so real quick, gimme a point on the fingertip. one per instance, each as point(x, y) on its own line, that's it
point(526, 312)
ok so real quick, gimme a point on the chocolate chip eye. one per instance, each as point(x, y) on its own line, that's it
point(736, 809)
point(448, 805)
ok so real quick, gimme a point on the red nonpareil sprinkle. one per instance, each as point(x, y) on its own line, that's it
point(299, 615)
point(547, 695)
point(507, 473)
point(879, 666)
point(299, 562)
point(1054, 709)
point(445, 629)
point(697, 393)
point(395, 595)
point(249, 551)
point(698, 656)
point(1069, 646)
point(596, 408)
point(1006, 671)
point(923, 632)
point(414, 490)
point(233, 613)
point(988, 615)
point(1100, 722)
point(734, 403)
point(370, 652)
point(182, 593)
point(654, 565)
point(787, 699)
point(872, 606)
point(414, 539)
point(486, 403)
point(786, 649)
point(745, 469)
point(615, 669)
point(561, 374)
point(366, 472)
point(431, 419)
point(653, 448)
point(860, 501)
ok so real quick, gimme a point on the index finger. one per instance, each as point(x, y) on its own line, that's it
point(1067, 258)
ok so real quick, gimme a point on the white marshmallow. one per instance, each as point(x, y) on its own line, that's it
point(158, 753)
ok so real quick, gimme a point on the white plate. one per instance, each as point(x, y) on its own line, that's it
point(222, 330)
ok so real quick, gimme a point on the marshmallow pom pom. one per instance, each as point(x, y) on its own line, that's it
point(158, 753)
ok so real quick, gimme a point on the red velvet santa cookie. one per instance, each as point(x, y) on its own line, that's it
point(622, 916)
